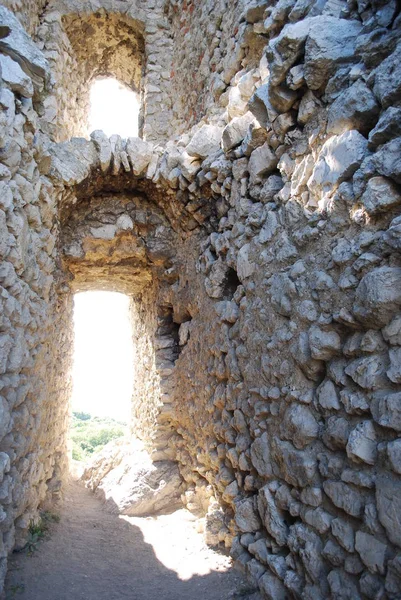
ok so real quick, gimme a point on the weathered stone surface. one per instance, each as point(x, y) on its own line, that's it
point(394, 372)
point(387, 160)
point(246, 515)
point(380, 195)
point(272, 516)
point(371, 551)
point(12, 74)
point(369, 372)
point(18, 45)
point(378, 296)
point(260, 456)
point(144, 487)
point(72, 161)
point(284, 50)
point(324, 344)
point(355, 108)
point(386, 409)
point(388, 127)
point(387, 80)
point(388, 499)
point(234, 133)
point(338, 160)
point(300, 426)
point(262, 162)
point(296, 467)
point(205, 141)
point(345, 497)
point(272, 587)
point(139, 154)
point(103, 147)
point(362, 443)
point(330, 42)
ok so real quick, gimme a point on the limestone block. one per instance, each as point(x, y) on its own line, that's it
point(324, 345)
point(394, 372)
point(139, 154)
point(20, 47)
point(369, 372)
point(392, 331)
point(234, 133)
point(272, 516)
point(342, 585)
point(246, 515)
point(245, 267)
point(380, 195)
point(355, 108)
point(71, 162)
point(344, 534)
point(205, 141)
point(387, 85)
point(12, 74)
point(261, 107)
point(282, 98)
point(362, 444)
point(394, 455)
point(388, 127)
point(260, 456)
point(387, 160)
point(392, 236)
point(338, 160)
point(285, 49)
point(386, 409)
point(300, 426)
point(103, 147)
point(388, 498)
point(262, 162)
point(272, 587)
point(132, 484)
point(296, 467)
point(378, 296)
point(330, 42)
point(344, 497)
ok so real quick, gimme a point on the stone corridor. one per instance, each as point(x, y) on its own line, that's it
point(255, 225)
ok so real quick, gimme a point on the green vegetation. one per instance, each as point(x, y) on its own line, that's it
point(90, 434)
point(38, 529)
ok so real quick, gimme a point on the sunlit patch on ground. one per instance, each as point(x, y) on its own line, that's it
point(178, 545)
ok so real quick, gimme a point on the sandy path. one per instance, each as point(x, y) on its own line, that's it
point(93, 555)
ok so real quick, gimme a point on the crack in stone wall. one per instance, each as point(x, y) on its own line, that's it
point(261, 251)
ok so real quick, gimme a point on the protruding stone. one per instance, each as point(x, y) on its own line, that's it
point(139, 154)
point(362, 443)
point(205, 141)
point(338, 160)
point(21, 48)
point(378, 296)
point(380, 195)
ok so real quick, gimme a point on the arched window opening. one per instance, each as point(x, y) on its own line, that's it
point(102, 371)
point(114, 108)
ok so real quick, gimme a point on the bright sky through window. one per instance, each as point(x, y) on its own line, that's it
point(103, 357)
point(114, 108)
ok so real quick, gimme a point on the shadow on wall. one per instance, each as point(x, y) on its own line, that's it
point(94, 555)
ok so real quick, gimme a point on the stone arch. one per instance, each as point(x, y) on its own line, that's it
point(130, 43)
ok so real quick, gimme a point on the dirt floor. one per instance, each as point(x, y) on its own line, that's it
point(93, 555)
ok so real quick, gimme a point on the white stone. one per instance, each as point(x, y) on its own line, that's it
point(12, 74)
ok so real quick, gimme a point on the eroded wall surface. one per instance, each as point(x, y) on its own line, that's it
point(261, 251)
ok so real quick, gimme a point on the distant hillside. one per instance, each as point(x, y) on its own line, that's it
point(89, 433)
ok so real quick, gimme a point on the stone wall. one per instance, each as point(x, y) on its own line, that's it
point(35, 340)
point(261, 251)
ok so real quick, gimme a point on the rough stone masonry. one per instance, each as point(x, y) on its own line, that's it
point(256, 227)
